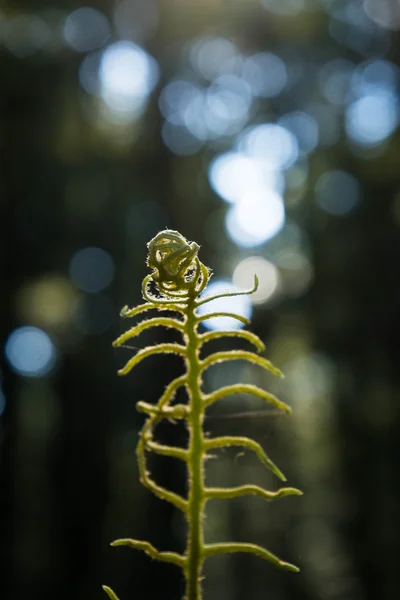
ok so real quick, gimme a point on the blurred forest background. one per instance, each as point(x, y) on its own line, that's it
point(266, 131)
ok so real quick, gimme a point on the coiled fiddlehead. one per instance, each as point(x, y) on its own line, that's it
point(175, 284)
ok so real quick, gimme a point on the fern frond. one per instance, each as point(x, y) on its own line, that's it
point(246, 388)
point(202, 318)
point(171, 390)
point(158, 490)
point(112, 595)
point(229, 294)
point(244, 442)
point(170, 557)
point(146, 352)
point(256, 490)
point(167, 450)
point(128, 313)
point(156, 322)
point(240, 355)
point(245, 335)
point(230, 547)
point(177, 280)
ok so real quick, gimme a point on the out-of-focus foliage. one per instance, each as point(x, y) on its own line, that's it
point(266, 130)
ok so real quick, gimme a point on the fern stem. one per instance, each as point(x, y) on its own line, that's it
point(196, 500)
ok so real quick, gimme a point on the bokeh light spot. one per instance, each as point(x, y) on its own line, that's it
point(30, 352)
point(385, 13)
point(337, 192)
point(266, 74)
point(255, 219)
point(335, 80)
point(375, 75)
point(91, 269)
point(351, 27)
point(176, 97)
point(240, 305)
point(222, 109)
point(304, 127)
point(273, 144)
point(89, 72)
point(233, 174)
point(194, 113)
point(86, 29)
point(48, 302)
point(227, 106)
point(127, 76)
point(25, 34)
point(310, 377)
point(208, 55)
point(267, 273)
point(372, 118)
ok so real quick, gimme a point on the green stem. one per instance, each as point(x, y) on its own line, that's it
point(196, 500)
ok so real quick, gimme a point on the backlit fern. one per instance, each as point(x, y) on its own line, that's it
point(175, 284)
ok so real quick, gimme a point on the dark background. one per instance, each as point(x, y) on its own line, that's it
point(103, 159)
